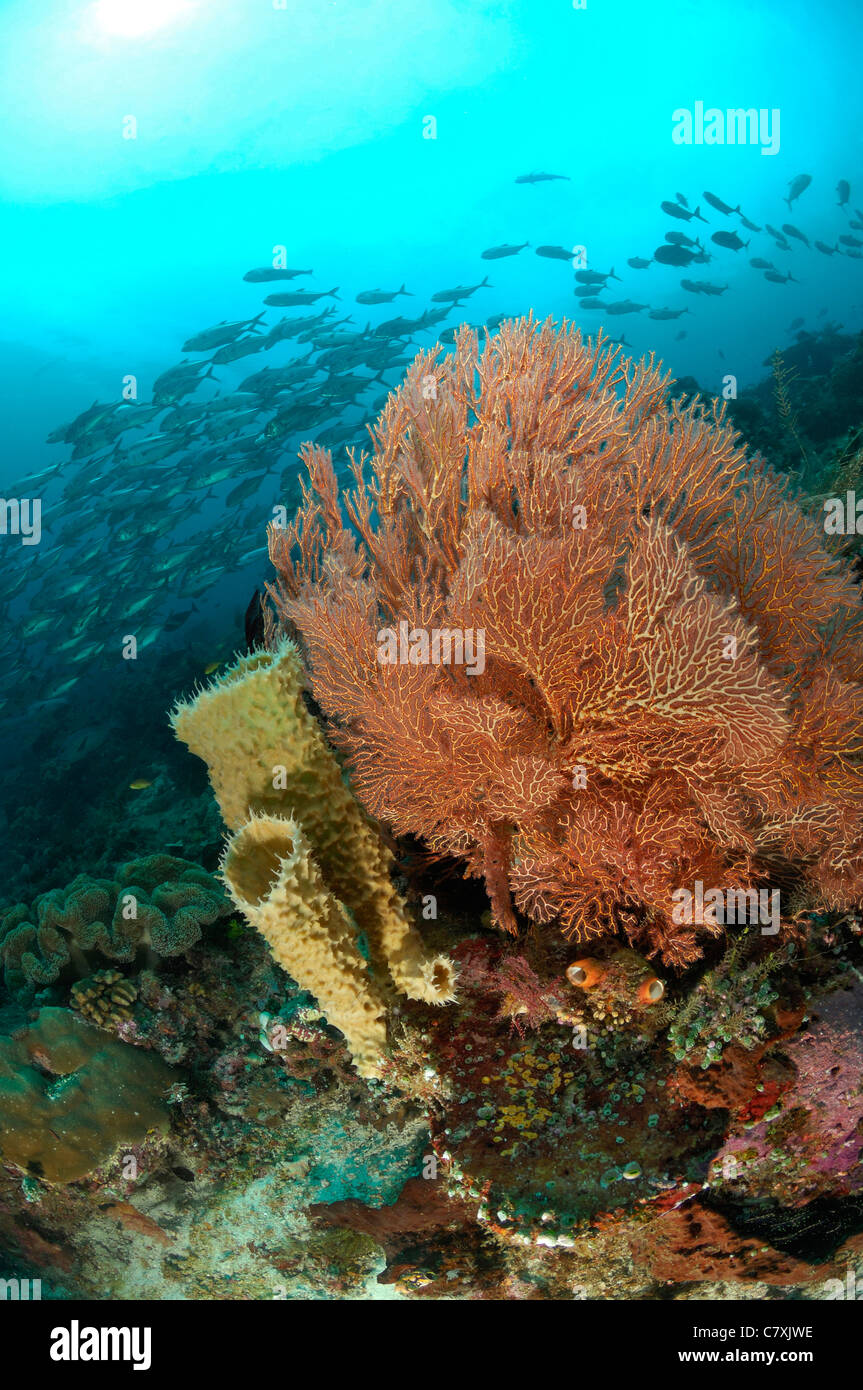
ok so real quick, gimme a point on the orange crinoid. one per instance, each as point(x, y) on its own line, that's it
point(573, 635)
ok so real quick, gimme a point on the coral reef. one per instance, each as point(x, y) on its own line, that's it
point(105, 999)
point(70, 1096)
point(668, 690)
point(158, 904)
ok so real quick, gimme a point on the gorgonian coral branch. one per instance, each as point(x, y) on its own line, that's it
point(668, 690)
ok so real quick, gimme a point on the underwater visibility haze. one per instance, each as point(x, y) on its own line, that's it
point(432, 689)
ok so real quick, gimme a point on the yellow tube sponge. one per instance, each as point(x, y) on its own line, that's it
point(266, 755)
point(273, 879)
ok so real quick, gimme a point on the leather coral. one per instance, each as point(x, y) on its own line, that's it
point(669, 689)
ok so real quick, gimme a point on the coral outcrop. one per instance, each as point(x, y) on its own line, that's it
point(158, 904)
point(669, 685)
point(70, 1096)
point(303, 853)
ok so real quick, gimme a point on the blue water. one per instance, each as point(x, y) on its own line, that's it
point(305, 126)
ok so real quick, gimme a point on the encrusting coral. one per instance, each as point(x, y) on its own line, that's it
point(302, 850)
point(70, 1095)
point(159, 903)
point(669, 688)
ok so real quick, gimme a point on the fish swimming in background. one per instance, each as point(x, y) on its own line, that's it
point(638, 263)
point(460, 292)
point(262, 274)
point(750, 226)
point(826, 250)
point(541, 178)
point(624, 306)
point(382, 296)
point(681, 239)
point(582, 290)
point(717, 203)
point(680, 198)
point(680, 335)
point(777, 278)
point(675, 210)
point(850, 241)
point(667, 313)
point(799, 322)
point(758, 263)
point(554, 253)
point(220, 334)
point(730, 240)
point(673, 255)
point(241, 347)
point(496, 253)
point(300, 297)
point(593, 303)
point(795, 232)
point(796, 187)
point(843, 191)
point(777, 236)
point(595, 277)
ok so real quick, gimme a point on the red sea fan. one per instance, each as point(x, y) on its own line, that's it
point(573, 635)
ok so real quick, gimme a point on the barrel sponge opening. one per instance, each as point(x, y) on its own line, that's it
point(268, 759)
point(275, 882)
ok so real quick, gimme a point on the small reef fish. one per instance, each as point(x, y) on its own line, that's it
point(541, 178)
point(730, 240)
point(675, 210)
point(261, 275)
point(496, 253)
point(624, 306)
point(460, 292)
point(796, 187)
point(554, 253)
point(220, 334)
point(716, 202)
point(673, 255)
point(139, 785)
point(295, 297)
point(595, 277)
point(793, 231)
point(382, 296)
